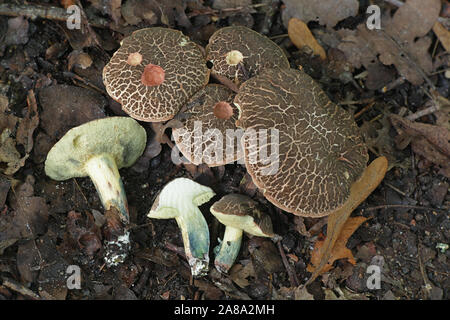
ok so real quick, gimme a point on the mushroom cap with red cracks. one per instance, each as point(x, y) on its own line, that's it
point(154, 73)
point(321, 152)
point(238, 53)
point(200, 119)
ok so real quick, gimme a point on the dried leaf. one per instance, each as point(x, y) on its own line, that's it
point(340, 250)
point(301, 37)
point(5, 184)
point(80, 59)
point(301, 293)
point(430, 141)
point(9, 153)
point(240, 273)
point(438, 136)
point(17, 32)
point(401, 41)
point(23, 135)
point(359, 191)
point(327, 12)
point(443, 34)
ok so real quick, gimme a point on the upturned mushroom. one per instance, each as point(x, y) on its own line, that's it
point(98, 149)
point(180, 199)
point(208, 130)
point(154, 73)
point(239, 214)
point(320, 149)
point(239, 53)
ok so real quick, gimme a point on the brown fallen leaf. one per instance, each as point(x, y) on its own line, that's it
point(327, 12)
point(359, 191)
point(340, 251)
point(430, 141)
point(23, 135)
point(401, 41)
point(239, 274)
point(64, 107)
point(301, 37)
point(443, 34)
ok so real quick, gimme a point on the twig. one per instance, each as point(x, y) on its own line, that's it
point(370, 105)
point(391, 206)
point(423, 112)
point(34, 11)
point(17, 287)
point(292, 276)
point(211, 11)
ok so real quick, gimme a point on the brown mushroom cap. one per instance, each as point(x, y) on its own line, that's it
point(155, 72)
point(201, 109)
point(231, 46)
point(241, 212)
point(321, 151)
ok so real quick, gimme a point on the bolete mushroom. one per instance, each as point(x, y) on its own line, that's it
point(98, 149)
point(180, 199)
point(239, 53)
point(208, 130)
point(155, 72)
point(320, 149)
point(239, 214)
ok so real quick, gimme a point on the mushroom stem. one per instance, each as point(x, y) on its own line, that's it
point(195, 233)
point(229, 249)
point(102, 170)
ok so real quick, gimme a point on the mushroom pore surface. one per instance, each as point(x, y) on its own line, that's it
point(320, 149)
point(182, 67)
point(239, 53)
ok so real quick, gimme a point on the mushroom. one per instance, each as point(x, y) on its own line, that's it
point(239, 53)
point(180, 199)
point(320, 149)
point(154, 73)
point(98, 149)
point(208, 130)
point(239, 214)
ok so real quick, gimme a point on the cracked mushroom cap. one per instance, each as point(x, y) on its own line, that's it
point(155, 72)
point(232, 48)
point(241, 212)
point(210, 108)
point(320, 149)
point(121, 137)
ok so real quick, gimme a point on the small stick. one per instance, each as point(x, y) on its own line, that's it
point(391, 206)
point(17, 287)
point(292, 276)
point(370, 105)
point(34, 11)
point(423, 112)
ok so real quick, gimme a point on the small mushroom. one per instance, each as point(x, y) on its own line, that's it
point(180, 199)
point(98, 149)
point(320, 149)
point(208, 133)
point(239, 53)
point(238, 213)
point(154, 73)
